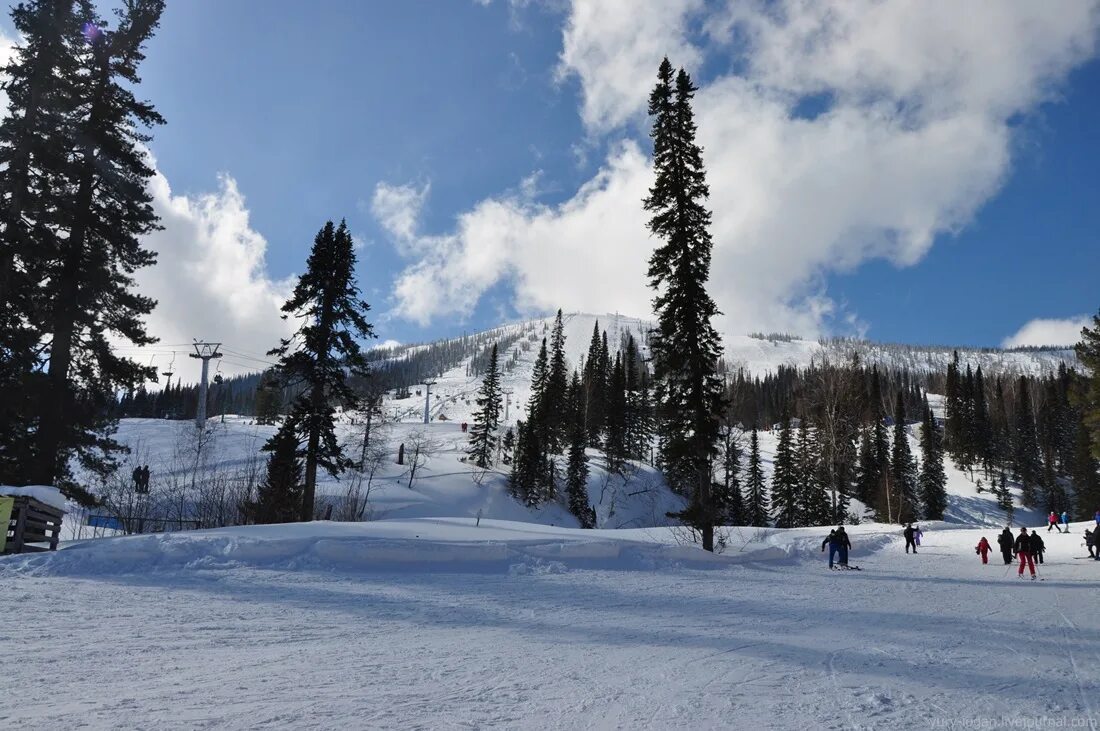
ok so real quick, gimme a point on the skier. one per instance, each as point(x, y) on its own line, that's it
point(909, 533)
point(1065, 520)
point(982, 549)
point(917, 535)
point(833, 545)
point(843, 545)
point(1005, 542)
point(137, 479)
point(1023, 550)
point(1090, 543)
point(1037, 546)
point(1052, 522)
point(1097, 516)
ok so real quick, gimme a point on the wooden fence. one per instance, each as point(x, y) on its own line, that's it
point(33, 526)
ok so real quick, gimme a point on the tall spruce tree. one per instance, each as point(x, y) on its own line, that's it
point(813, 495)
point(324, 353)
point(757, 513)
point(483, 434)
point(933, 480)
point(903, 469)
point(595, 389)
point(785, 482)
point(536, 406)
point(554, 396)
point(727, 493)
point(91, 244)
point(41, 83)
point(685, 345)
point(615, 444)
point(953, 417)
point(576, 473)
point(1026, 462)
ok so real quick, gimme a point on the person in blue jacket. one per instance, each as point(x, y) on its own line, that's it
point(1065, 520)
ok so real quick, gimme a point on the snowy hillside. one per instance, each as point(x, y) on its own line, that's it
point(440, 624)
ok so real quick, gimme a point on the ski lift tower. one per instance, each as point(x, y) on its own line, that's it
point(507, 402)
point(428, 383)
point(205, 352)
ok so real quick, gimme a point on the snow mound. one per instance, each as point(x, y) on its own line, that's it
point(455, 544)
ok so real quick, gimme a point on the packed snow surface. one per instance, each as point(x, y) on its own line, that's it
point(446, 624)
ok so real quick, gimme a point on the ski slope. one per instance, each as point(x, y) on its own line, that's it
point(444, 624)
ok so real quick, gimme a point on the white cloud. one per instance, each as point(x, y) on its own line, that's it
point(1049, 332)
point(211, 280)
point(614, 47)
point(397, 208)
point(915, 138)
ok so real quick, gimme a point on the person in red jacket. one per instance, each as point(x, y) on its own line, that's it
point(983, 548)
point(1023, 550)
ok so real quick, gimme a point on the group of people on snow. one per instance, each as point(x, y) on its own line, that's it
point(1052, 521)
point(1026, 546)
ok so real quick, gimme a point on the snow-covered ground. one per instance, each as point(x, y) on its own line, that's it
point(438, 624)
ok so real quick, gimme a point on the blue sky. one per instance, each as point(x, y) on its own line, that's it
point(313, 109)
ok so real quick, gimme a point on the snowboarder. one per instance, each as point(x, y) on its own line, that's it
point(1023, 550)
point(982, 549)
point(1052, 521)
point(1065, 520)
point(1005, 542)
point(834, 546)
point(844, 545)
point(1037, 546)
point(909, 533)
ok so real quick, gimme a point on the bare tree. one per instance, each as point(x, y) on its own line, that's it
point(420, 447)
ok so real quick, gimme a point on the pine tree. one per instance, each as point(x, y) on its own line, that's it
point(576, 479)
point(487, 420)
point(1026, 462)
point(595, 387)
point(685, 345)
point(324, 352)
point(508, 445)
point(903, 470)
point(933, 480)
point(984, 451)
point(268, 399)
point(1084, 475)
point(615, 444)
point(813, 497)
point(279, 499)
point(554, 391)
point(727, 493)
point(785, 483)
point(100, 210)
point(952, 408)
point(756, 491)
point(1004, 498)
point(41, 83)
point(536, 406)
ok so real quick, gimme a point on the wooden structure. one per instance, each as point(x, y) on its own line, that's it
point(33, 526)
